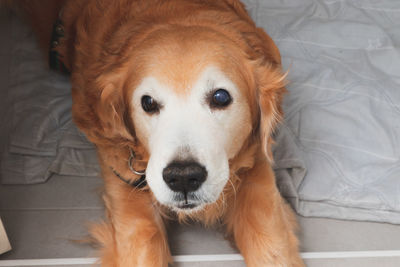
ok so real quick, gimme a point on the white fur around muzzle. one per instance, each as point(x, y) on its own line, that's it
point(187, 128)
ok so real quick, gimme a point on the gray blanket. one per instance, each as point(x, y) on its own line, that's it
point(338, 149)
point(42, 138)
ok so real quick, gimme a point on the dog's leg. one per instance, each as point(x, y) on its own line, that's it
point(135, 234)
point(261, 222)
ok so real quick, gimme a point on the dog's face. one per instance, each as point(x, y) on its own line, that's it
point(190, 115)
point(191, 129)
point(193, 98)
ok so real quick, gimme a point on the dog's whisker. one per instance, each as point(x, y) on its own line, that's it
point(139, 185)
point(223, 201)
point(131, 191)
point(234, 190)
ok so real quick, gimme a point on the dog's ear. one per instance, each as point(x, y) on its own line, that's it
point(260, 42)
point(270, 90)
point(102, 112)
point(269, 82)
point(113, 112)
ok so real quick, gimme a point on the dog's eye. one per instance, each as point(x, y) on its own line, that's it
point(149, 104)
point(220, 98)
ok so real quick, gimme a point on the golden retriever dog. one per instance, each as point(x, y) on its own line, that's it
point(180, 98)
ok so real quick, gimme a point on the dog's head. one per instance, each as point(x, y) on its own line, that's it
point(193, 96)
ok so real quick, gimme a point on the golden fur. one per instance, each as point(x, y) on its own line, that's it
point(106, 46)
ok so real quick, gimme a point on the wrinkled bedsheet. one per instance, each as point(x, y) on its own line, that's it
point(337, 153)
point(42, 138)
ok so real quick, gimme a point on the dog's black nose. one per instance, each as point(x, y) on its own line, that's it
point(184, 176)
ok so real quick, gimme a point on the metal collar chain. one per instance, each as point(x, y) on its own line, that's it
point(55, 61)
point(131, 157)
point(139, 183)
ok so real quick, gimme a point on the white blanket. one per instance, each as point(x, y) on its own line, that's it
point(338, 150)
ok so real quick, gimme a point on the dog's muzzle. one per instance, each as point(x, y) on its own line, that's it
point(184, 177)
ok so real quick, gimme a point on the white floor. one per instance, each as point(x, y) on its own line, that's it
point(356, 258)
